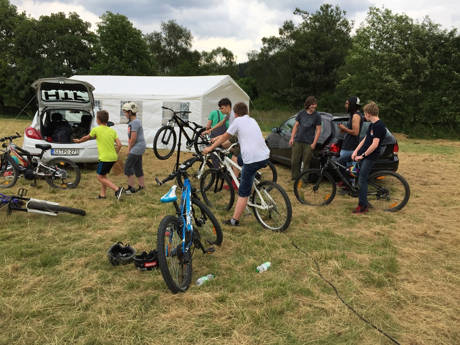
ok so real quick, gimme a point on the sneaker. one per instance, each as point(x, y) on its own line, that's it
point(100, 197)
point(130, 190)
point(140, 188)
point(361, 209)
point(119, 192)
point(230, 223)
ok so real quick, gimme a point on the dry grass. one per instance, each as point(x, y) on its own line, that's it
point(400, 270)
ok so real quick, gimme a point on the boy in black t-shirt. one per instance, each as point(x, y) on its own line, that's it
point(367, 152)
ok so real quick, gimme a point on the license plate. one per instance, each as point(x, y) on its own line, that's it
point(65, 152)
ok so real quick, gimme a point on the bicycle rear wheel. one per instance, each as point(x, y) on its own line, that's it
point(66, 173)
point(206, 224)
point(314, 188)
point(175, 266)
point(387, 191)
point(43, 206)
point(217, 189)
point(273, 209)
point(8, 173)
point(164, 142)
point(268, 173)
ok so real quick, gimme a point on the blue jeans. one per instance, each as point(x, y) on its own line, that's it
point(247, 175)
point(345, 157)
point(364, 171)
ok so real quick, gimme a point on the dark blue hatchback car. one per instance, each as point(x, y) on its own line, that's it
point(331, 138)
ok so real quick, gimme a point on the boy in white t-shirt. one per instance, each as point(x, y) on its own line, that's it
point(254, 154)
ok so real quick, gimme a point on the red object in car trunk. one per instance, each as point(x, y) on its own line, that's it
point(33, 133)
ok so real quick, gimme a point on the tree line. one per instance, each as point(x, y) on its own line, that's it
point(411, 69)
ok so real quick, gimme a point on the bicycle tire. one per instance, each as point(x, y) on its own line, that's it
point(67, 174)
point(387, 191)
point(199, 143)
point(167, 137)
point(42, 206)
point(217, 189)
point(206, 223)
point(278, 204)
point(192, 173)
point(175, 268)
point(267, 173)
point(8, 172)
point(315, 188)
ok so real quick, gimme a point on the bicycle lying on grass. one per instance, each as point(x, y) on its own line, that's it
point(269, 201)
point(20, 203)
point(387, 190)
point(193, 226)
point(166, 137)
point(15, 161)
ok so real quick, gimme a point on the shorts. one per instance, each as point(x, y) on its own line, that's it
point(133, 165)
point(103, 168)
point(247, 176)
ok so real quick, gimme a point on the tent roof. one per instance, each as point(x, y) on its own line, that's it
point(167, 87)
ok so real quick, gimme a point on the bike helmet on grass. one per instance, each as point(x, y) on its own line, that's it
point(146, 261)
point(120, 254)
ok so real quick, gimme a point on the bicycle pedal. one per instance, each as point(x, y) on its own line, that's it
point(210, 250)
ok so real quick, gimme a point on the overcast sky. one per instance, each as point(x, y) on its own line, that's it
point(238, 25)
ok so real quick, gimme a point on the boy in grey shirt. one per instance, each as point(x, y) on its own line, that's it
point(136, 148)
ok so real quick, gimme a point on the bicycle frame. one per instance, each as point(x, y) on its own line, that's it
point(228, 164)
point(336, 166)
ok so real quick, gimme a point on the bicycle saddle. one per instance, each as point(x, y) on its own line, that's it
point(170, 196)
point(43, 147)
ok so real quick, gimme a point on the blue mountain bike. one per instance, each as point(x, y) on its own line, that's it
point(194, 226)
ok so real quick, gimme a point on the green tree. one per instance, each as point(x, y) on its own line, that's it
point(218, 61)
point(171, 48)
point(122, 49)
point(412, 70)
point(305, 58)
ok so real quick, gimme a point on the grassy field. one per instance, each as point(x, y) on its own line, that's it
point(401, 270)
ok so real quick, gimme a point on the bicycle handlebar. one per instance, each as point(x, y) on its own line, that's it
point(181, 169)
point(176, 112)
point(11, 138)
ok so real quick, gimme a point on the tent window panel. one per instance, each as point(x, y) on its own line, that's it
point(176, 106)
point(123, 119)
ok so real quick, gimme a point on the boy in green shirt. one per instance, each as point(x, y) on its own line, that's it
point(108, 155)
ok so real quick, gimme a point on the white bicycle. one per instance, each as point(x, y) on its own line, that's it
point(269, 201)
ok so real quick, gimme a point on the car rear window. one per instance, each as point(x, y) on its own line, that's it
point(54, 92)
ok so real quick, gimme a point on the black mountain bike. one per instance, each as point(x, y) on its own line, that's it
point(165, 140)
point(387, 190)
point(15, 161)
point(20, 203)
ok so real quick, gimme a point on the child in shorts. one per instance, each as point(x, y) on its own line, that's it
point(105, 137)
point(254, 155)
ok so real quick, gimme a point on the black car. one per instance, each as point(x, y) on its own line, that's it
point(330, 138)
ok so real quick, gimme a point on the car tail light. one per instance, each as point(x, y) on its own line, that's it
point(334, 148)
point(33, 133)
point(395, 149)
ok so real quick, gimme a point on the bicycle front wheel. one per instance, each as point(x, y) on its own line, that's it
point(175, 266)
point(62, 173)
point(164, 142)
point(387, 191)
point(43, 206)
point(217, 189)
point(272, 207)
point(200, 143)
point(314, 188)
point(8, 173)
point(206, 224)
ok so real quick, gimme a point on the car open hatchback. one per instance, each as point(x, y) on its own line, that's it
point(65, 112)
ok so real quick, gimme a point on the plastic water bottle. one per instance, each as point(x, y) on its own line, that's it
point(265, 266)
point(204, 279)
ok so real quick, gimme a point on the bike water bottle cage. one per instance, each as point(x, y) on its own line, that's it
point(170, 196)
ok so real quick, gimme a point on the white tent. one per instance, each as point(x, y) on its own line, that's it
point(199, 94)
